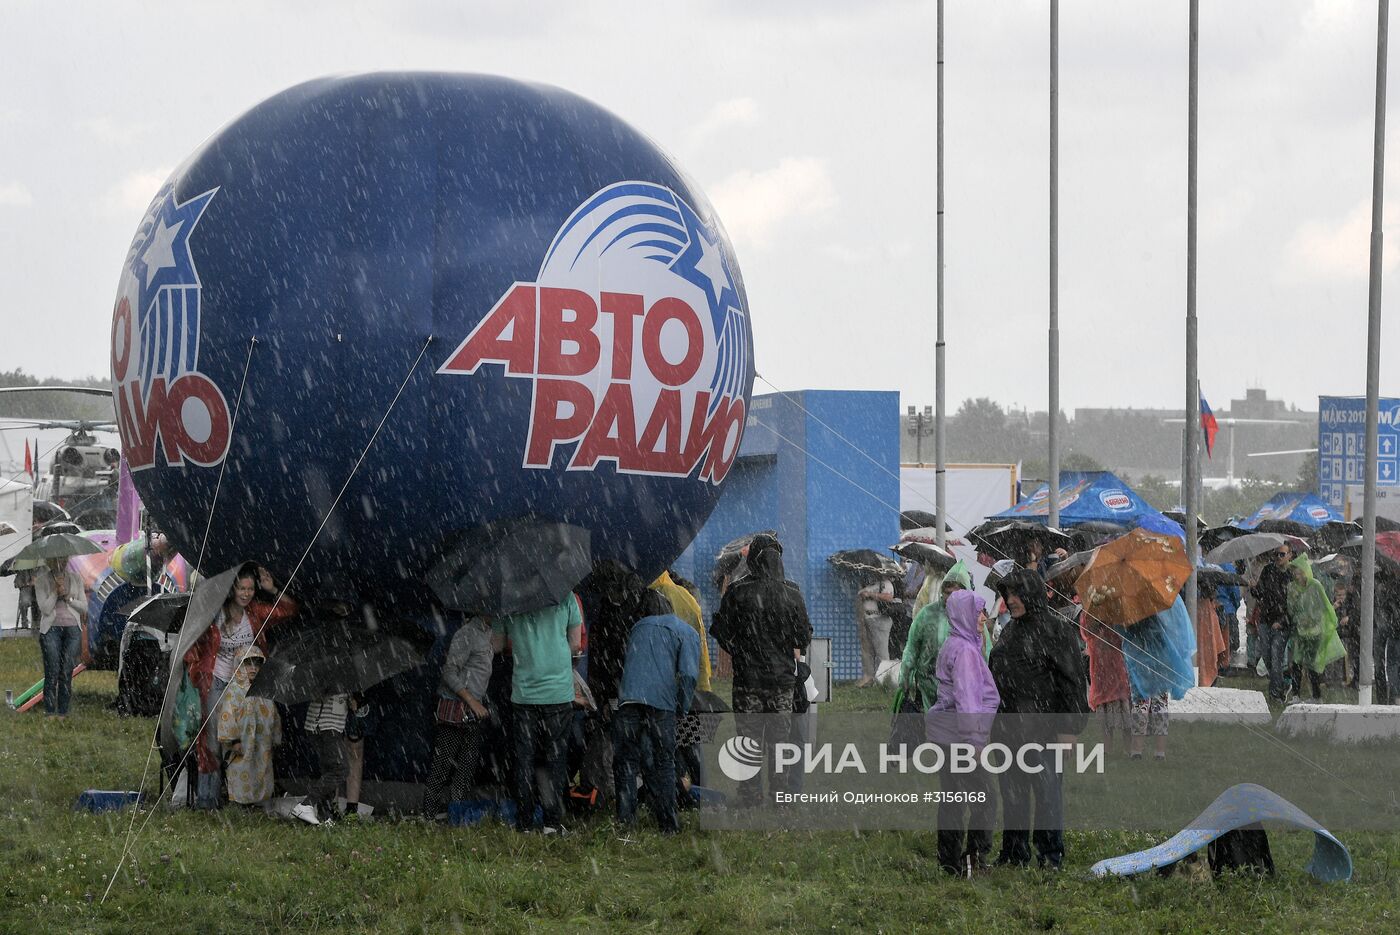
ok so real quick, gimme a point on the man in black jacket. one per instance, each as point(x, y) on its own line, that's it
point(1275, 626)
point(1043, 681)
point(762, 623)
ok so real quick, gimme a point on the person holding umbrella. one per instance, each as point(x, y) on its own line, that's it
point(62, 624)
point(873, 623)
point(240, 625)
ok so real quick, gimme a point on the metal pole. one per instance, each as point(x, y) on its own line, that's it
point(1193, 399)
point(1373, 370)
point(1054, 413)
point(939, 435)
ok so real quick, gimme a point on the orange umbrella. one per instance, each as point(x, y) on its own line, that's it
point(1134, 577)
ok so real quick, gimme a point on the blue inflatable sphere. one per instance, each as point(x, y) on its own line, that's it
point(376, 312)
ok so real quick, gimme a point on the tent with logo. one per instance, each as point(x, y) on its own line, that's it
point(1088, 497)
point(1306, 508)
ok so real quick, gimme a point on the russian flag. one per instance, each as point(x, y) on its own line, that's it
point(1209, 426)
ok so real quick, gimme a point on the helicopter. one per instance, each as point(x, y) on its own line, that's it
point(82, 471)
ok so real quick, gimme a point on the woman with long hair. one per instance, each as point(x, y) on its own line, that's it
point(253, 604)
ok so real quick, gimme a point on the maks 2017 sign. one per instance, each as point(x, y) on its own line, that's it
point(1341, 445)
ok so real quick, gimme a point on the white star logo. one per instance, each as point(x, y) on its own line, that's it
point(158, 254)
point(711, 263)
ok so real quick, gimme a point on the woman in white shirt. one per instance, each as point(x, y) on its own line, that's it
point(62, 616)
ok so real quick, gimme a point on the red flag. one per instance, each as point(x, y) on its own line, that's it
point(28, 459)
point(1209, 426)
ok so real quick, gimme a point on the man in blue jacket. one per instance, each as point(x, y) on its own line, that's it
point(658, 680)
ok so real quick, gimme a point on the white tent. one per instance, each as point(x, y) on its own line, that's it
point(16, 509)
point(975, 491)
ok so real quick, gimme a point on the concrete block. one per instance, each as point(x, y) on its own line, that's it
point(1225, 704)
point(1344, 723)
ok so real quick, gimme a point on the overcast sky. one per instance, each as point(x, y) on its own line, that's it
point(811, 126)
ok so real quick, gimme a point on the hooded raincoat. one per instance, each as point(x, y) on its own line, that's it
point(927, 634)
point(1037, 663)
point(252, 723)
point(967, 699)
point(761, 621)
point(1314, 642)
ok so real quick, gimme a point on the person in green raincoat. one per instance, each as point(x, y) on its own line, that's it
point(1315, 642)
point(918, 685)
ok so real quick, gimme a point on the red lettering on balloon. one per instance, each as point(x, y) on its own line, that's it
point(613, 434)
point(550, 335)
point(625, 309)
point(658, 316)
point(548, 427)
point(505, 336)
point(121, 334)
point(556, 331)
point(665, 422)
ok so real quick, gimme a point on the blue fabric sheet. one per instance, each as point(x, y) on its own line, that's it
point(1237, 807)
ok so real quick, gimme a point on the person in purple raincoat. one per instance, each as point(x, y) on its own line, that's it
point(962, 715)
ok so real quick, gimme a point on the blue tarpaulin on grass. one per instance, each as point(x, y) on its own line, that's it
point(1237, 807)
point(1306, 508)
point(1087, 496)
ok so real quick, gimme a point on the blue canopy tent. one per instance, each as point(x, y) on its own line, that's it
point(1091, 496)
point(1306, 508)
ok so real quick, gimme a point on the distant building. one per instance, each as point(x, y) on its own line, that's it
point(1136, 442)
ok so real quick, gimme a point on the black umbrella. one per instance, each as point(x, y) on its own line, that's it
point(1217, 536)
point(707, 702)
point(926, 553)
point(1096, 532)
point(326, 658)
point(1076, 561)
point(865, 561)
point(1218, 578)
point(164, 612)
point(46, 511)
point(730, 559)
point(1008, 538)
point(58, 527)
point(1286, 527)
point(1179, 517)
point(512, 566)
point(920, 519)
point(1385, 564)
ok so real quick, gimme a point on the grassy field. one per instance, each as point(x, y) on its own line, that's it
point(244, 873)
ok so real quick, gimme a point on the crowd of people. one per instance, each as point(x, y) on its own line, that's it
point(605, 721)
point(585, 703)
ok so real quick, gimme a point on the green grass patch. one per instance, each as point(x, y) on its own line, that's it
point(244, 873)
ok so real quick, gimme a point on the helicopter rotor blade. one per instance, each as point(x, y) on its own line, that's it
point(85, 390)
point(71, 425)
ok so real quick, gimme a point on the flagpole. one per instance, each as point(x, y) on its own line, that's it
point(1373, 368)
point(1054, 403)
point(1193, 398)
